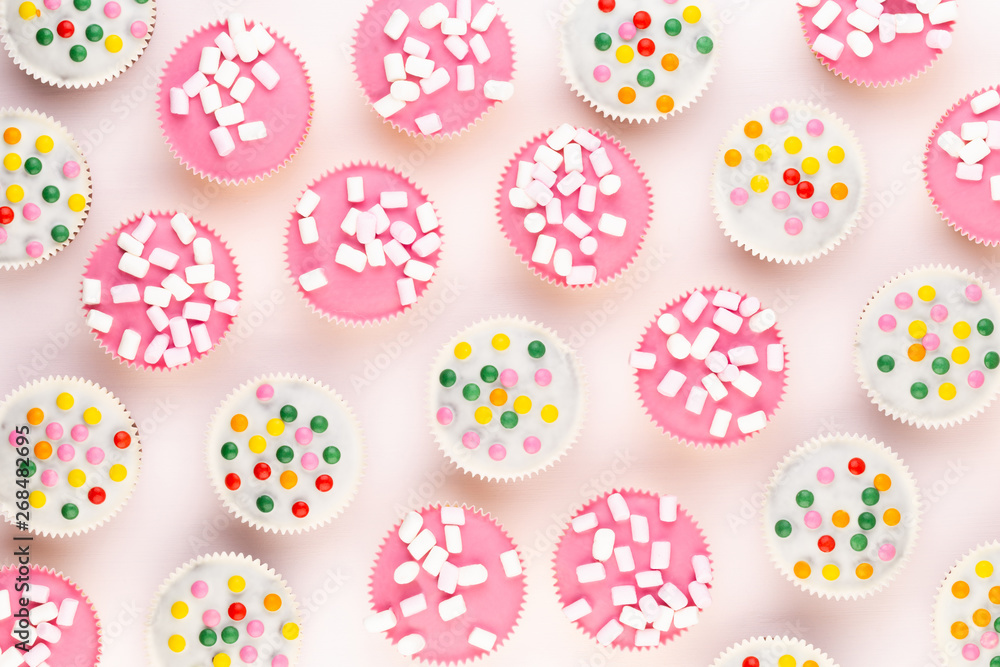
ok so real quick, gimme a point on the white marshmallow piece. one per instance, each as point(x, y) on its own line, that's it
point(624, 559)
point(995, 188)
point(632, 617)
point(985, 101)
point(694, 306)
point(886, 28)
point(827, 46)
point(776, 357)
point(222, 139)
point(433, 15)
point(950, 143)
point(211, 56)
point(128, 293)
point(180, 103)
point(860, 43)
point(909, 23)
point(938, 39)
point(640, 528)
point(133, 265)
point(195, 84)
point(604, 544)
point(703, 343)
point(411, 644)
point(720, 423)
point(396, 24)
point(826, 14)
point(862, 20)
point(430, 123)
point(944, 13)
point(67, 612)
point(412, 605)
point(702, 568)
point(482, 639)
point(472, 575)
point(451, 608)
point(511, 563)
point(380, 622)
point(590, 572)
point(545, 247)
point(611, 225)
point(969, 132)
point(91, 291)
point(225, 44)
point(242, 89)
point(668, 509)
point(267, 75)
point(671, 383)
point(752, 422)
point(500, 91)
point(466, 78)
point(231, 114)
point(313, 280)
point(618, 507)
point(484, 17)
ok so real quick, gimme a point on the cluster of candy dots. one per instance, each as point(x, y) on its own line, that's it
point(93, 32)
point(646, 47)
point(235, 618)
point(498, 394)
point(64, 443)
point(795, 178)
point(283, 455)
point(857, 540)
point(13, 161)
point(981, 618)
point(785, 660)
point(928, 345)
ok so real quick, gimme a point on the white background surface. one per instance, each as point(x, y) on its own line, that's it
point(174, 516)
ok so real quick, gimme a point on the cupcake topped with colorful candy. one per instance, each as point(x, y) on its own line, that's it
point(966, 621)
point(773, 652)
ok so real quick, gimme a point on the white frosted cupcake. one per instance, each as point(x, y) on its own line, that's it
point(966, 622)
point(773, 652)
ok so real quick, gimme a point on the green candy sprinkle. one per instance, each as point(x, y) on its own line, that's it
point(985, 327)
point(70, 511)
point(992, 360)
point(704, 45)
point(859, 542)
point(33, 165)
point(288, 413)
point(331, 455)
point(264, 504)
point(50, 193)
point(870, 496)
point(996, 626)
point(918, 390)
point(319, 424)
point(44, 37)
point(448, 378)
point(78, 53)
point(470, 391)
point(886, 363)
point(783, 528)
point(141, 2)
point(646, 78)
point(602, 41)
point(207, 637)
point(866, 520)
point(536, 349)
point(59, 233)
point(229, 451)
point(31, 468)
point(230, 635)
point(489, 373)
point(940, 365)
point(672, 27)
point(82, 5)
point(508, 419)
point(804, 498)
point(285, 454)
point(94, 32)
point(995, 660)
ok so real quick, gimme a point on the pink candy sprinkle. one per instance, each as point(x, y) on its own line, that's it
point(887, 322)
point(34, 249)
point(498, 452)
point(112, 10)
point(3, 235)
point(255, 628)
point(50, 477)
point(976, 379)
point(739, 196)
point(508, 378)
point(989, 639)
point(248, 654)
point(970, 652)
point(602, 73)
point(470, 440)
point(814, 127)
point(12, 438)
point(939, 313)
point(265, 392)
point(627, 30)
point(65, 452)
point(52, 4)
point(973, 293)
point(779, 115)
point(813, 519)
point(309, 461)
point(793, 226)
point(71, 169)
point(95, 455)
point(903, 300)
point(820, 210)
point(31, 212)
point(279, 661)
point(211, 617)
point(781, 200)
point(543, 377)
point(930, 342)
point(79, 432)
point(303, 435)
point(199, 589)
point(444, 416)
point(532, 444)
point(139, 29)
point(886, 552)
point(824, 475)
point(54, 431)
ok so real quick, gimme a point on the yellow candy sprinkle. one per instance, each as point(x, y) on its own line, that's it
point(835, 154)
point(802, 570)
point(257, 444)
point(883, 482)
point(759, 183)
point(984, 568)
point(947, 391)
point(92, 416)
point(237, 584)
point(498, 397)
point(35, 416)
point(917, 329)
point(960, 355)
point(624, 53)
point(221, 660)
point(793, 145)
point(176, 643)
point(841, 518)
point(288, 479)
point(959, 630)
point(864, 571)
point(275, 426)
point(786, 661)
point(753, 129)
point(483, 415)
point(981, 617)
point(831, 572)
point(839, 191)
point(691, 14)
point(179, 609)
point(43, 450)
point(76, 478)
point(549, 414)
point(117, 472)
point(15, 193)
point(762, 153)
point(626, 95)
point(64, 401)
point(810, 165)
point(995, 595)
point(113, 43)
point(27, 11)
point(522, 405)
point(12, 161)
point(44, 143)
point(960, 589)
point(501, 342)
point(239, 423)
point(664, 104)
point(891, 517)
point(289, 631)
point(962, 330)
point(926, 293)
point(12, 135)
point(463, 350)
point(76, 203)
point(733, 157)
point(272, 602)
point(36, 499)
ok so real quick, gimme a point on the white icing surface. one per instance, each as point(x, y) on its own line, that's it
point(891, 391)
point(565, 392)
point(42, 394)
point(769, 650)
point(949, 609)
point(798, 472)
point(760, 226)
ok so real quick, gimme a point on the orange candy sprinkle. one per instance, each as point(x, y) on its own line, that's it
point(239, 423)
point(916, 352)
point(626, 95)
point(753, 129)
point(35, 416)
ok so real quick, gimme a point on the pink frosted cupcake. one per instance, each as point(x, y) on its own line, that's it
point(51, 622)
point(575, 206)
point(160, 291)
point(363, 244)
point(960, 169)
point(710, 368)
point(633, 570)
point(878, 43)
point(447, 586)
point(235, 101)
point(433, 68)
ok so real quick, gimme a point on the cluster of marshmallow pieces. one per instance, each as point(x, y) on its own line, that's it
point(220, 62)
point(645, 614)
point(977, 139)
point(870, 15)
point(723, 367)
point(422, 545)
point(172, 348)
point(428, 76)
point(366, 227)
point(45, 618)
point(534, 188)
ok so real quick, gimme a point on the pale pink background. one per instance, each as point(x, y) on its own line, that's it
point(174, 515)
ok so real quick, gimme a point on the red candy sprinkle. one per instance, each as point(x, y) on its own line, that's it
point(826, 544)
point(122, 440)
point(6, 215)
point(300, 509)
point(262, 471)
point(65, 29)
point(324, 483)
point(856, 466)
point(96, 495)
point(606, 5)
point(232, 481)
point(237, 611)
point(805, 190)
point(751, 662)
point(646, 47)
point(641, 20)
point(791, 176)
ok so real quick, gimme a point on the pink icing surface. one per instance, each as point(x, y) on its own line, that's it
point(458, 110)
point(286, 111)
point(80, 643)
point(355, 297)
point(898, 61)
point(103, 266)
point(576, 549)
point(632, 202)
point(494, 605)
point(669, 413)
point(965, 205)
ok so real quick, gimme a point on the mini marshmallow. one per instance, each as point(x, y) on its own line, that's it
point(375, 253)
point(350, 257)
point(412, 605)
point(610, 632)
point(451, 608)
point(985, 101)
point(480, 50)
point(438, 79)
point(944, 13)
point(396, 24)
point(673, 596)
point(201, 337)
point(421, 544)
point(133, 265)
point(632, 617)
point(457, 46)
point(827, 46)
point(647, 637)
point(242, 89)
point(886, 28)
point(37, 656)
point(539, 192)
point(619, 508)
point(601, 163)
point(227, 307)
point(156, 296)
point(128, 293)
point(694, 306)
point(668, 509)
point(501, 91)
point(713, 385)
point(576, 226)
point(463, 10)
point(429, 124)
point(180, 103)
point(393, 199)
point(246, 47)
point(610, 184)
point(435, 558)
point(198, 311)
point(702, 568)
point(448, 579)
point(395, 70)
point(611, 225)
point(569, 183)
point(700, 595)
point(433, 15)
point(388, 106)
point(649, 607)
point(42, 613)
point(588, 246)
point(752, 422)
point(826, 14)
point(590, 572)
point(414, 47)
point(860, 43)
point(229, 115)
point(743, 355)
point(534, 222)
point(747, 383)
point(407, 291)
point(703, 343)
point(624, 559)
point(696, 400)
point(427, 217)
point(950, 143)
point(67, 612)
point(729, 373)
point(582, 274)
point(562, 262)
point(720, 423)
point(969, 131)
point(418, 270)
point(211, 56)
point(862, 20)
point(453, 540)
point(157, 317)
point(222, 140)
point(482, 639)
point(545, 247)
point(49, 633)
point(405, 91)
point(659, 555)
point(199, 274)
point(180, 334)
point(128, 346)
point(728, 320)
point(211, 99)
point(91, 291)
point(132, 245)
point(267, 75)
point(584, 522)
point(995, 188)
point(426, 245)
point(762, 321)
point(410, 527)
point(649, 579)
point(604, 544)
point(938, 39)
point(587, 200)
point(553, 210)
point(472, 575)
point(308, 232)
point(11, 658)
point(561, 137)
point(686, 617)
point(454, 26)
point(775, 357)
point(217, 290)
point(727, 300)
point(716, 361)
point(511, 563)
point(262, 39)
point(678, 346)
point(484, 17)
point(411, 644)
point(225, 44)
point(640, 528)
point(668, 324)
point(419, 67)
point(396, 253)
point(466, 75)
point(911, 23)
point(380, 622)
point(671, 383)
point(194, 85)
